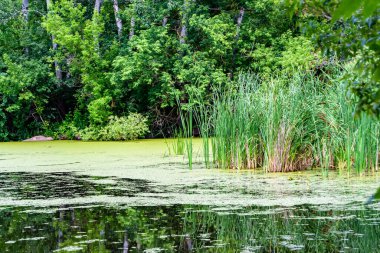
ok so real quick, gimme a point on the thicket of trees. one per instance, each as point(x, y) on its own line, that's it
point(69, 65)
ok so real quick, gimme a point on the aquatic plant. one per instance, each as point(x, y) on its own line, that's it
point(186, 114)
point(288, 123)
point(176, 145)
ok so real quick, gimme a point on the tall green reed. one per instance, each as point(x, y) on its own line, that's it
point(287, 123)
point(186, 114)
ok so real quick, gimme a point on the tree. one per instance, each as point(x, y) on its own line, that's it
point(25, 13)
point(98, 4)
point(25, 9)
point(183, 33)
point(58, 71)
point(118, 20)
point(349, 29)
point(172, 48)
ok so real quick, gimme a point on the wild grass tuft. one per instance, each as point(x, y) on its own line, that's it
point(186, 114)
point(286, 123)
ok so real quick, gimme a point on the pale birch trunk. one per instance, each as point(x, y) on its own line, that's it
point(58, 71)
point(183, 33)
point(119, 23)
point(98, 4)
point(234, 53)
point(25, 9)
point(238, 25)
point(132, 31)
point(164, 21)
point(125, 243)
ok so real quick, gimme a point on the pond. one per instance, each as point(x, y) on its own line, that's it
point(134, 197)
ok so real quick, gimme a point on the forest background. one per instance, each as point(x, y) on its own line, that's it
point(73, 68)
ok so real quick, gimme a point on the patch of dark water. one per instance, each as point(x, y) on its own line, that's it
point(190, 228)
point(29, 185)
point(26, 185)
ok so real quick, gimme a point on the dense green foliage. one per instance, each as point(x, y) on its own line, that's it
point(123, 128)
point(66, 66)
point(71, 70)
point(348, 29)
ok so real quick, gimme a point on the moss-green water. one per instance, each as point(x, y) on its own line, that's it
point(96, 197)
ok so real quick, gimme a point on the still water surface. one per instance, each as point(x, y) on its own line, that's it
point(134, 197)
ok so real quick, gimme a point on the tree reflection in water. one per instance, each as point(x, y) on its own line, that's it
point(186, 228)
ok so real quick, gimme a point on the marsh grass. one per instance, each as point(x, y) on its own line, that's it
point(186, 114)
point(176, 145)
point(285, 123)
point(179, 143)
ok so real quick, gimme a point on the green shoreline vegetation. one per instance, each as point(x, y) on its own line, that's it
point(277, 85)
point(189, 126)
point(288, 123)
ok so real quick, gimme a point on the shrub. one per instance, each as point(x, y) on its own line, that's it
point(118, 129)
point(67, 130)
point(99, 110)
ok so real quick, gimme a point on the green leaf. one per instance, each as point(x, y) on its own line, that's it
point(369, 7)
point(346, 9)
point(376, 75)
point(377, 194)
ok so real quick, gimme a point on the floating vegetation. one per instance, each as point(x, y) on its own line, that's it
point(99, 205)
point(69, 249)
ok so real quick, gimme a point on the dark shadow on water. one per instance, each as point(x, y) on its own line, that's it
point(190, 228)
point(25, 185)
point(29, 185)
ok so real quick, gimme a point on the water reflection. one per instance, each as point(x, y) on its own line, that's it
point(26, 185)
point(186, 228)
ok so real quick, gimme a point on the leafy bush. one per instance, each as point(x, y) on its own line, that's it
point(118, 129)
point(67, 130)
point(99, 110)
point(299, 55)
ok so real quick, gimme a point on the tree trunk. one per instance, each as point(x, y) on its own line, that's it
point(25, 9)
point(183, 33)
point(119, 23)
point(25, 13)
point(132, 31)
point(234, 53)
point(98, 4)
point(164, 21)
point(58, 71)
point(125, 243)
point(239, 21)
